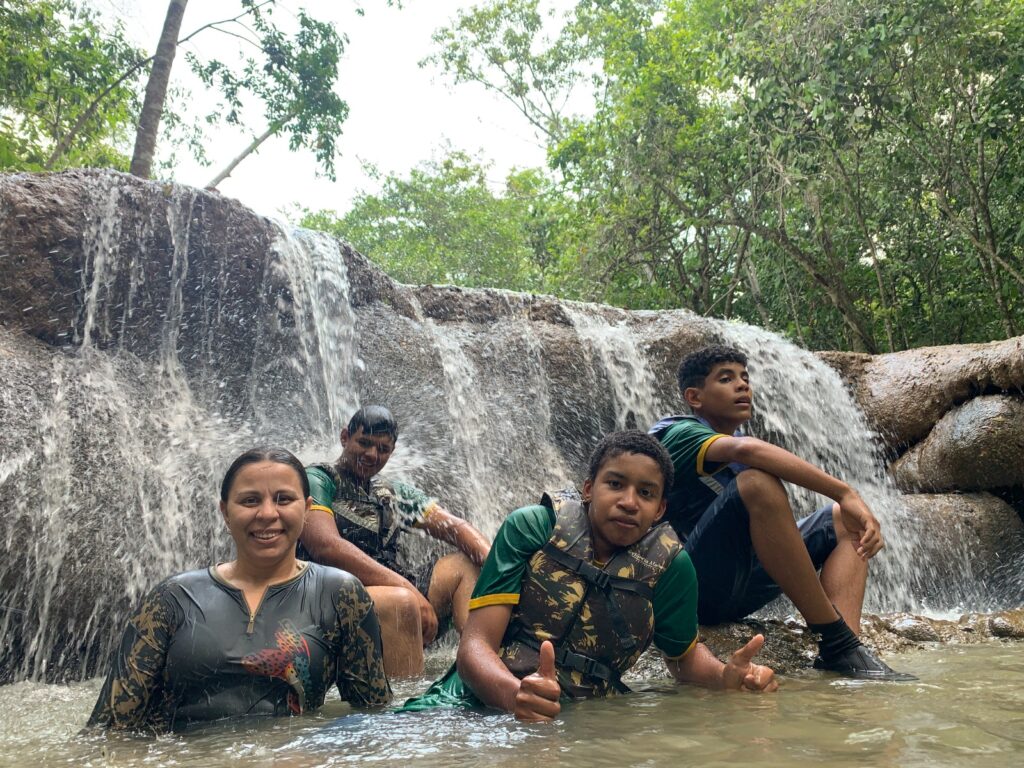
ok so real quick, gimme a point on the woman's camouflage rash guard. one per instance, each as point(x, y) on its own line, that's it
point(193, 653)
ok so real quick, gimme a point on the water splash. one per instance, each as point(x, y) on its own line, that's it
point(99, 248)
point(306, 358)
point(624, 367)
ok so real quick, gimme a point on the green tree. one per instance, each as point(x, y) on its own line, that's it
point(505, 46)
point(443, 224)
point(844, 171)
point(54, 58)
point(293, 76)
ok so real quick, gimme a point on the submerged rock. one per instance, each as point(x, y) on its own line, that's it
point(790, 648)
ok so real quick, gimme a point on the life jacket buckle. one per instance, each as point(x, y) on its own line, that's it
point(597, 577)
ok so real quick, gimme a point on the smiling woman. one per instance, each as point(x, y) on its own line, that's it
point(263, 634)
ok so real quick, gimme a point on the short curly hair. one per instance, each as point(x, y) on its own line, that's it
point(696, 366)
point(632, 441)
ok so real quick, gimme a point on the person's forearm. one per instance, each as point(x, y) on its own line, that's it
point(443, 525)
point(699, 667)
point(345, 555)
point(481, 669)
point(472, 543)
point(784, 465)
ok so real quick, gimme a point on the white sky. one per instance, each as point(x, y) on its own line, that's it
point(399, 114)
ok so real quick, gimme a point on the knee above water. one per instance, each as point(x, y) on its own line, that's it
point(757, 482)
point(398, 603)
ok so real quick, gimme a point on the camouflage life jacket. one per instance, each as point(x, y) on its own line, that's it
point(599, 619)
point(367, 519)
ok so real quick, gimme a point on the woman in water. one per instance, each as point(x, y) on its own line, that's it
point(264, 634)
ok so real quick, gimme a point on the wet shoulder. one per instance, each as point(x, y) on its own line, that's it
point(685, 429)
point(337, 586)
point(321, 484)
point(186, 580)
point(331, 578)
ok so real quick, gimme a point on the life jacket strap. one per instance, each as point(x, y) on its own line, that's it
point(605, 583)
point(579, 662)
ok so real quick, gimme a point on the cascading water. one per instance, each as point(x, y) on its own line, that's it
point(802, 404)
point(615, 352)
point(116, 453)
point(194, 342)
point(501, 455)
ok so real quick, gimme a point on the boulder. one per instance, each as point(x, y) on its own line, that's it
point(904, 393)
point(977, 446)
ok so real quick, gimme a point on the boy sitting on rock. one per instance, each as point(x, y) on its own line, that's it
point(574, 591)
point(730, 507)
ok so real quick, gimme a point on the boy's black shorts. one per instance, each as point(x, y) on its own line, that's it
point(731, 584)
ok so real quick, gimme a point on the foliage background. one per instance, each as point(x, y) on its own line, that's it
point(847, 172)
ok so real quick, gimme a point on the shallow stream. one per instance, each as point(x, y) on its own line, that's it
point(967, 710)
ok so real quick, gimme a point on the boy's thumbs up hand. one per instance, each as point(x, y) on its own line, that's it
point(741, 673)
point(537, 699)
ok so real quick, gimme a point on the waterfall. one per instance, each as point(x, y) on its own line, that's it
point(501, 454)
point(618, 360)
point(201, 330)
point(117, 450)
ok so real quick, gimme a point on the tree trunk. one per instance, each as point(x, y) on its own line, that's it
point(156, 91)
point(272, 130)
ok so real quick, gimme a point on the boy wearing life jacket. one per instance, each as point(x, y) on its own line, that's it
point(365, 517)
point(729, 506)
point(574, 590)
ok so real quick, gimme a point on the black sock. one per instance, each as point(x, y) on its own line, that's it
point(834, 638)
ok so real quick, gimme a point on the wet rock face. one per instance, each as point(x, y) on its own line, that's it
point(975, 447)
point(58, 247)
point(905, 393)
point(979, 531)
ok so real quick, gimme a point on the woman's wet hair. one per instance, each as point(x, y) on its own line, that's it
point(255, 456)
point(632, 441)
point(374, 420)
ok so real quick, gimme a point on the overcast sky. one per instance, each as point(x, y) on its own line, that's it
point(400, 114)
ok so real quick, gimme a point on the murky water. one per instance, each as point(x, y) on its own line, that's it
point(968, 710)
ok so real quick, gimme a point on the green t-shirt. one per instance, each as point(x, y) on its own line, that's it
point(522, 535)
point(698, 482)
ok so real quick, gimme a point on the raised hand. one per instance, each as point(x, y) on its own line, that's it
point(742, 674)
point(537, 699)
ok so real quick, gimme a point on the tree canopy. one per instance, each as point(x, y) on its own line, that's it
point(54, 58)
point(442, 223)
point(76, 89)
point(844, 171)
